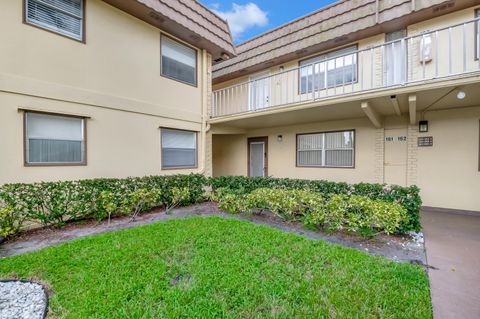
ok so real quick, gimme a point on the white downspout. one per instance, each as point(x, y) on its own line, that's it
point(205, 126)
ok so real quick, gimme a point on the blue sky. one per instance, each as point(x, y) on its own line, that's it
point(250, 18)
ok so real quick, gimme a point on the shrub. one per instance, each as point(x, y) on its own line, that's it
point(408, 197)
point(108, 206)
point(140, 200)
point(352, 213)
point(10, 221)
point(54, 203)
point(360, 212)
point(230, 201)
point(289, 204)
point(180, 195)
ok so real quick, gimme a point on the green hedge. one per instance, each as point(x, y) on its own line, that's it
point(353, 213)
point(408, 197)
point(54, 203)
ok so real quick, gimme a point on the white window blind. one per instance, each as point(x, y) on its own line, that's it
point(54, 139)
point(179, 148)
point(178, 61)
point(61, 16)
point(325, 70)
point(330, 149)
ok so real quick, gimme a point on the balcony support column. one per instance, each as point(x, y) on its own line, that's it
point(396, 106)
point(412, 109)
point(372, 114)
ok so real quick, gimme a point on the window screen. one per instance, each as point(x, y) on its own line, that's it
point(179, 149)
point(327, 71)
point(331, 149)
point(179, 61)
point(54, 139)
point(61, 16)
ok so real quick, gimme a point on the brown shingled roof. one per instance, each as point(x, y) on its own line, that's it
point(342, 22)
point(187, 19)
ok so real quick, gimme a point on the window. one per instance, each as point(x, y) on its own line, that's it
point(328, 70)
point(179, 149)
point(330, 149)
point(179, 62)
point(395, 65)
point(54, 139)
point(61, 16)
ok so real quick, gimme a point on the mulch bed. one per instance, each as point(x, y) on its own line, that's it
point(396, 247)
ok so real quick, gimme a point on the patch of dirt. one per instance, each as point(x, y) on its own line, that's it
point(399, 248)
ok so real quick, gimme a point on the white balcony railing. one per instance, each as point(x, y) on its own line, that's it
point(431, 55)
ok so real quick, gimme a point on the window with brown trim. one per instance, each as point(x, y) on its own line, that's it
point(65, 17)
point(326, 149)
point(54, 139)
point(179, 148)
point(179, 62)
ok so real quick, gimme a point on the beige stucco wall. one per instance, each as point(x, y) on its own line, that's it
point(231, 155)
point(121, 58)
point(119, 143)
point(113, 78)
point(447, 173)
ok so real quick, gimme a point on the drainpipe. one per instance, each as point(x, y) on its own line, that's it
point(205, 125)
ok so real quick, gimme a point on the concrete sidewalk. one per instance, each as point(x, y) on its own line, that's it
point(452, 242)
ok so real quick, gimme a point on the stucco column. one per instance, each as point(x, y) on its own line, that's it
point(412, 155)
point(379, 155)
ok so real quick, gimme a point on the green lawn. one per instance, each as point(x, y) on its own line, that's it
point(206, 267)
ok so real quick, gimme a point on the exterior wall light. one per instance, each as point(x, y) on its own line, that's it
point(279, 138)
point(423, 126)
point(461, 94)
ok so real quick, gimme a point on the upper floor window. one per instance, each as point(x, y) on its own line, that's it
point(54, 139)
point(329, 149)
point(179, 61)
point(332, 69)
point(179, 148)
point(61, 16)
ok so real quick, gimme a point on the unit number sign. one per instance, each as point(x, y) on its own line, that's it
point(395, 138)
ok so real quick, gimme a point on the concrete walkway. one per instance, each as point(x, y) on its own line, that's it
point(452, 242)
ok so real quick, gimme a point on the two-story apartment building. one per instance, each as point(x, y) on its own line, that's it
point(113, 88)
point(359, 91)
point(384, 91)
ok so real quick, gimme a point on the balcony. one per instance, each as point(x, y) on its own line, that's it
point(430, 56)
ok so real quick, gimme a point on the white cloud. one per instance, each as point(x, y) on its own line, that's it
point(215, 6)
point(242, 17)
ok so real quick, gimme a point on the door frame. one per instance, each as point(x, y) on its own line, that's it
point(263, 139)
point(254, 77)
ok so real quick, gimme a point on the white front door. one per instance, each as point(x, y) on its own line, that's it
point(395, 58)
point(257, 156)
point(396, 156)
point(259, 91)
